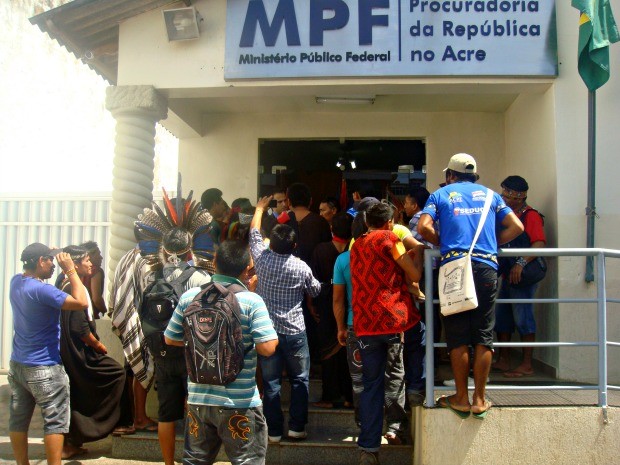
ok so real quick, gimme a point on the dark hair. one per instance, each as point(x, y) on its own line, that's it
point(232, 258)
point(209, 197)
point(177, 241)
point(471, 177)
point(90, 245)
point(420, 195)
point(359, 225)
point(77, 253)
point(279, 190)
point(341, 225)
point(242, 202)
point(332, 202)
point(379, 214)
point(299, 195)
point(515, 183)
point(282, 239)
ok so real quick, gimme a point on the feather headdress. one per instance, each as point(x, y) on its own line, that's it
point(184, 214)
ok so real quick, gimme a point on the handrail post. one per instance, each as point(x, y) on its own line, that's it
point(430, 340)
point(602, 334)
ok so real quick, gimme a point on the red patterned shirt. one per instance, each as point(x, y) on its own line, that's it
point(381, 302)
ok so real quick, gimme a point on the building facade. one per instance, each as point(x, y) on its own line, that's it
point(496, 79)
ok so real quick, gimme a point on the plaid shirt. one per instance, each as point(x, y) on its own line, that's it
point(282, 282)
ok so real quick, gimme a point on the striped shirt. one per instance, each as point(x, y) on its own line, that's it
point(282, 282)
point(256, 327)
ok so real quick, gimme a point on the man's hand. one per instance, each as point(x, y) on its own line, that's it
point(313, 311)
point(515, 274)
point(101, 349)
point(65, 262)
point(342, 337)
point(263, 202)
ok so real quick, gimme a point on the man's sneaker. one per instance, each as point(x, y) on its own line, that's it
point(297, 434)
point(369, 458)
point(470, 382)
point(274, 438)
point(415, 399)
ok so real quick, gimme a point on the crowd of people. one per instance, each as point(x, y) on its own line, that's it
point(336, 292)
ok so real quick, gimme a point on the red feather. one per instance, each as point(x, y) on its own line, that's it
point(172, 213)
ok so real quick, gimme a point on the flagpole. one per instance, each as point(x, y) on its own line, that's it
point(591, 206)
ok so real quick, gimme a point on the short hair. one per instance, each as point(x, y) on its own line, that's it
point(471, 177)
point(177, 241)
point(341, 225)
point(379, 214)
point(282, 239)
point(232, 258)
point(279, 190)
point(332, 202)
point(242, 202)
point(420, 195)
point(515, 183)
point(299, 195)
point(209, 197)
point(359, 225)
point(76, 252)
point(90, 246)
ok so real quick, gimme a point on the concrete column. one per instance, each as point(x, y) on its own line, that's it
point(136, 110)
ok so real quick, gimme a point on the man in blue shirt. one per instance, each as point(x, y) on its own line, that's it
point(36, 374)
point(232, 414)
point(458, 207)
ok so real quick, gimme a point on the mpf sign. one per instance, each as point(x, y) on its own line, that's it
point(329, 38)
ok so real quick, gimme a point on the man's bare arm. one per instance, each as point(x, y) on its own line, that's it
point(338, 304)
point(512, 228)
point(426, 229)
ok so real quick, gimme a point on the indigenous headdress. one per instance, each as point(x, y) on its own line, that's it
point(179, 216)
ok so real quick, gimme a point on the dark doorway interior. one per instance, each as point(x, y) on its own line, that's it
point(313, 162)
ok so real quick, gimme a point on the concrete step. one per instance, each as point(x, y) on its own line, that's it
point(327, 445)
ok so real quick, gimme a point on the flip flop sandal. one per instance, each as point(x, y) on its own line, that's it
point(483, 414)
point(462, 414)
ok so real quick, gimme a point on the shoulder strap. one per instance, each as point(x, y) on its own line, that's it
point(178, 283)
point(483, 218)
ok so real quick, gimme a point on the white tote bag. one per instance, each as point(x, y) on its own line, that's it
point(457, 292)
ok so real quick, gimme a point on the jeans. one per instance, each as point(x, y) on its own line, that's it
point(242, 431)
point(414, 358)
point(292, 352)
point(394, 397)
point(45, 386)
point(374, 351)
point(521, 316)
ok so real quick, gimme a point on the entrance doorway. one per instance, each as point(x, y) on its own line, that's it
point(382, 168)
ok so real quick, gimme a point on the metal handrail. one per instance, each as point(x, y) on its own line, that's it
point(601, 300)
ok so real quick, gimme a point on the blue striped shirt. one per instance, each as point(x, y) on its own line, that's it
point(282, 282)
point(256, 327)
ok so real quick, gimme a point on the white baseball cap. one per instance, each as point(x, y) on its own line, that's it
point(462, 163)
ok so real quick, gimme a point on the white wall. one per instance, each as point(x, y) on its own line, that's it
point(578, 321)
point(228, 156)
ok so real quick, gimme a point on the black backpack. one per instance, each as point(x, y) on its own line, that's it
point(213, 336)
point(158, 303)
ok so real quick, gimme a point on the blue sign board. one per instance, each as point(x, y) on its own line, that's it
point(360, 38)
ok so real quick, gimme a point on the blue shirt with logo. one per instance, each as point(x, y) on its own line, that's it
point(36, 321)
point(458, 207)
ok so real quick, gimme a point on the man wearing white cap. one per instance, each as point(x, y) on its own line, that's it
point(36, 374)
point(458, 207)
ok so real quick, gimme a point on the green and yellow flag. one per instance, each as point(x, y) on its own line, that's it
point(597, 31)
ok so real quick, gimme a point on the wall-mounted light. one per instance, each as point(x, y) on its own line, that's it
point(340, 164)
point(181, 23)
point(347, 100)
point(352, 163)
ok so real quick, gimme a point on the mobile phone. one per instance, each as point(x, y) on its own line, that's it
point(273, 203)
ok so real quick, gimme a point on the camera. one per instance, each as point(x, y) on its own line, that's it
point(273, 203)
